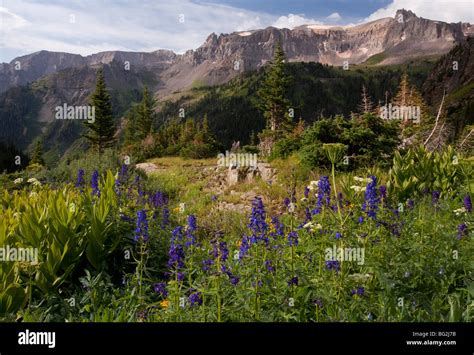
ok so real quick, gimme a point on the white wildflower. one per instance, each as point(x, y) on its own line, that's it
point(34, 182)
point(358, 188)
point(460, 211)
point(361, 179)
point(313, 185)
point(18, 181)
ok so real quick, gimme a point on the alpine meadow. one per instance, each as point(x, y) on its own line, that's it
point(310, 171)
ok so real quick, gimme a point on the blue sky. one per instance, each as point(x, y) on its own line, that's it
point(91, 26)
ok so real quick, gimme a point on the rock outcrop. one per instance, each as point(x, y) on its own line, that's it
point(222, 57)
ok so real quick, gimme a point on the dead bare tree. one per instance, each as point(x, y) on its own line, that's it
point(437, 119)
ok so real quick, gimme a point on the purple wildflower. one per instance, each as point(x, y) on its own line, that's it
point(269, 266)
point(160, 289)
point(195, 297)
point(318, 302)
point(324, 193)
point(293, 281)
point(190, 231)
point(166, 217)
point(80, 179)
point(371, 200)
point(293, 238)
point(278, 226)
point(333, 265)
point(360, 291)
point(462, 230)
point(141, 232)
point(467, 203)
point(258, 226)
point(306, 192)
point(95, 183)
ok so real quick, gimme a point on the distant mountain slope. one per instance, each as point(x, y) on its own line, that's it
point(223, 57)
point(458, 85)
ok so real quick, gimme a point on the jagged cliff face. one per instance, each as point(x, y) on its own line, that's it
point(400, 38)
point(223, 57)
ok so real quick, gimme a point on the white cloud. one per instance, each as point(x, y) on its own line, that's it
point(32, 25)
point(292, 21)
point(442, 10)
point(334, 17)
point(10, 21)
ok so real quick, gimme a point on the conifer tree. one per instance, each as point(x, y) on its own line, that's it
point(144, 117)
point(37, 156)
point(408, 95)
point(101, 132)
point(273, 100)
point(130, 125)
point(366, 105)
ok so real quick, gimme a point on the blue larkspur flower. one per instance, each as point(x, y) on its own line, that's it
point(191, 231)
point(195, 298)
point(435, 197)
point(95, 183)
point(467, 203)
point(293, 238)
point(258, 225)
point(333, 265)
point(307, 216)
point(176, 253)
point(338, 235)
point(318, 302)
point(383, 191)
point(371, 199)
point(462, 230)
point(324, 194)
point(158, 199)
point(220, 251)
point(306, 192)
point(293, 281)
point(123, 174)
point(278, 226)
point(166, 217)
point(234, 280)
point(360, 291)
point(141, 232)
point(269, 266)
point(207, 264)
point(80, 179)
point(176, 235)
point(244, 247)
point(160, 289)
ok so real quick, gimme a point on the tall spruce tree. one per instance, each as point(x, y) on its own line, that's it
point(37, 156)
point(366, 105)
point(144, 115)
point(101, 133)
point(273, 100)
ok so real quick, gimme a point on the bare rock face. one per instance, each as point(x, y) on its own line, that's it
point(224, 56)
point(147, 168)
point(237, 175)
point(397, 39)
